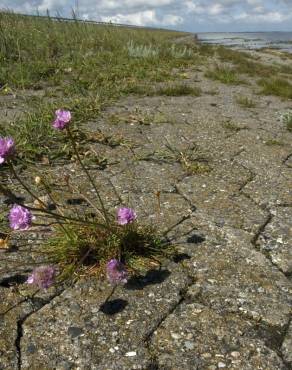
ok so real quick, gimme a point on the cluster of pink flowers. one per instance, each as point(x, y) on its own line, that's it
point(126, 216)
point(7, 147)
point(116, 272)
point(20, 218)
point(62, 119)
point(42, 277)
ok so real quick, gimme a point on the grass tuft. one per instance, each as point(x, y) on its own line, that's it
point(273, 142)
point(287, 120)
point(245, 102)
point(224, 74)
point(276, 86)
point(88, 248)
point(230, 126)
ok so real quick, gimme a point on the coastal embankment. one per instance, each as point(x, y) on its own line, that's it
point(197, 139)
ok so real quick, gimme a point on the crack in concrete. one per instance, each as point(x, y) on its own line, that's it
point(179, 222)
point(21, 321)
point(236, 154)
point(285, 160)
point(282, 339)
point(183, 294)
point(261, 229)
point(266, 222)
point(192, 206)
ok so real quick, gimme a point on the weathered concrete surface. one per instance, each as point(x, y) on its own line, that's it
point(225, 202)
point(276, 239)
point(196, 337)
point(287, 345)
point(93, 334)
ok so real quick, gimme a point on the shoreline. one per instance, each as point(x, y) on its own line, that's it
point(250, 43)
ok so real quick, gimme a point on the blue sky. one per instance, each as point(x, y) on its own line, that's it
point(188, 15)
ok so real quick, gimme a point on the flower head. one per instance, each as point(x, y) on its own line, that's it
point(116, 272)
point(42, 277)
point(62, 119)
point(7, 147)
point(20, 218)
point(126, 216)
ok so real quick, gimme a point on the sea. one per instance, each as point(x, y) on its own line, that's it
point(249, 40)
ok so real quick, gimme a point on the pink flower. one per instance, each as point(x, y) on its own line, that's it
point(116, 272)
point(126, 216)
point(62, 119)
point(42, 277)
point(7, 147)
point(20, 218)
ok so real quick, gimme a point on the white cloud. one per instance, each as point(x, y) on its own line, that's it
point(145, 18)
point(270, 17)
point(216, 9)
point(185, 14)
point(171, 20)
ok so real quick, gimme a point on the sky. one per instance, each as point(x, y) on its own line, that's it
point(186, 15)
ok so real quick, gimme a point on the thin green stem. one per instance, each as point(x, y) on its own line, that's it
point(58, 209)
point(110, 295)
point(22, 183)
point(88, 175)
point(13, 197)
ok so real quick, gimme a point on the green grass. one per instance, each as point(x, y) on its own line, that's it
point(225, 75)
point(287, 120)
point(273, 142)
point(170, 89)
point(191, 159)
point(83, 67)
point(276, 86)
point(245, 63)
point(87, 249)
point(230, 126)
point(233, 56)
point(245, 102)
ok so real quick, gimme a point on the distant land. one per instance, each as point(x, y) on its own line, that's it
point(249, 40)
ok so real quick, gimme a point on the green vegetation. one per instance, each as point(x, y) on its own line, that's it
point(88, 248)
point(276, 86)
point(287, 120)
point(247, 64)
point(245, 102)
point(273, 142)
point(230, 126)
point(169, 89)
point(81, 67)
point(224, 74)
point(191, 159)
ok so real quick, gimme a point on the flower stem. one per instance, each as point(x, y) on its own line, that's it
point(58, 209)
point(110, 295)
point(13, 197)
point(88, 175)
point(24, 185)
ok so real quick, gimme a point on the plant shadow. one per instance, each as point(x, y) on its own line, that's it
point(113, 306)
point(152, 277)
point(195, 239)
